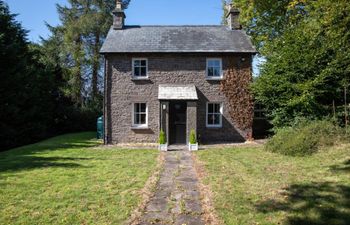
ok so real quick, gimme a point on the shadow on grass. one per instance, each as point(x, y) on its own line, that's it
point(345, 167)
point(33, 162)
point(28, 157)
point(323, 203)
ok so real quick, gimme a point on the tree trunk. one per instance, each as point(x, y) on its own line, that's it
point(346, 108)
point(78, 84)
point(95, 66)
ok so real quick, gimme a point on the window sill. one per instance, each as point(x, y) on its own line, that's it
point(214, 127)
point(214, 78)
point(139, 128)
point(139, 78)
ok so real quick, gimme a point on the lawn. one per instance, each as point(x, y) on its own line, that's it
point(251, 186)
point(67, 180)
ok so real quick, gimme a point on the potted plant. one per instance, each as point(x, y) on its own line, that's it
point(193, 145)
point(163, 145)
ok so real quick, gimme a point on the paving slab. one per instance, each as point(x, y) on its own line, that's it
point(177, 198)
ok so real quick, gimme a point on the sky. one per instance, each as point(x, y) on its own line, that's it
point(34, 13)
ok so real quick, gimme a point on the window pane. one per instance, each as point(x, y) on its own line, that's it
point(137, 71)
point(216, 72)
point(217, 119)
point(210, 119)
point(137, 63)
point(217, 63)
point(213, 63)
point(136, 118)
point(210, 71)
point(137, 108)
point(216, 108)
point(143, 63)
point(143, 119)
point(210, 108)
point(143, 107)
point(143, 71)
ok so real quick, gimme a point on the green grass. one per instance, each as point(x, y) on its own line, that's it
point(67, 180)
point(251, 186)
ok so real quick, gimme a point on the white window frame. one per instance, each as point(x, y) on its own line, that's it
point(221, 71)
point(207, 114)
point(133, 69)
point(133, 116)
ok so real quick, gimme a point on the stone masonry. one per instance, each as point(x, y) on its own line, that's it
point(177, 196)
point(168, 68)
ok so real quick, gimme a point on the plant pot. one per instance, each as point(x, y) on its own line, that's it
point(193, 147)
point(163, 147)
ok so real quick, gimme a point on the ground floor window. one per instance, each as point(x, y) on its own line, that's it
point(140, 111)
point(214, 114)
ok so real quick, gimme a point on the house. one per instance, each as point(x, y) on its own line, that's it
point(178, 79)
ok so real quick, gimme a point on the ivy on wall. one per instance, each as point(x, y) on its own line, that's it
point(236, 87)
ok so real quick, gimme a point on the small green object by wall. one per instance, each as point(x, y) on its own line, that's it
point(100, 128)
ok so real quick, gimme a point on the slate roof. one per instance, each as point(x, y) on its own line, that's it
point(138, 39)
point(177, 92)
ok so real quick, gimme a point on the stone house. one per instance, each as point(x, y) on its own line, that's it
point(177, 79)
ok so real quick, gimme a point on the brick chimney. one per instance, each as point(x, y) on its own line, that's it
point(118, 16)
point(232, 17)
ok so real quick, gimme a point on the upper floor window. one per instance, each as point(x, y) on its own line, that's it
point(140, 68)
point(214, 114)
point(140, 112)
point(214, 68)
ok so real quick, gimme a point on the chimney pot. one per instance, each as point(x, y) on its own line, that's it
point(232, 17)
point(118, 16)
point(118, 5)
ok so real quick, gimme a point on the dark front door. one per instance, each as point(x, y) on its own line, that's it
point(177, 122)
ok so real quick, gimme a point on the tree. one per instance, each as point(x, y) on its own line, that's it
point(85, 24)
point(306, 46)
point(265, 20)
point(41, 88)
point(25, 86)
point(307, 67)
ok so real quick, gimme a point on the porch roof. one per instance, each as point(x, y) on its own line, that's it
point(177, 92)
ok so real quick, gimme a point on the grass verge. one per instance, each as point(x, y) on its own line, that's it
point(252, 186)
point(66, 180)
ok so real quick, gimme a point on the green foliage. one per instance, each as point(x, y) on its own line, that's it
point(265, 20)
point(85, 24)
point(305, 44)
point(162, 138)
point(305, 138)
point(25, 87)
point(32, 88)
point(193, 138)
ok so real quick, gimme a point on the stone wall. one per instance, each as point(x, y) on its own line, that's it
point(122, 91)
point(191, 123)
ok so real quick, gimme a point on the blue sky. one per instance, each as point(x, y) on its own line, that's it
point(34, 13)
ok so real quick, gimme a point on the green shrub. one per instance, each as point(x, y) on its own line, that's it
point(305, 138)
point(162, 138)
point(193, 139)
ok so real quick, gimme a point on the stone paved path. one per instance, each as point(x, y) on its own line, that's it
point(177, 197)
